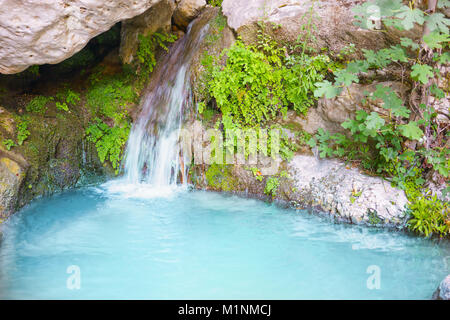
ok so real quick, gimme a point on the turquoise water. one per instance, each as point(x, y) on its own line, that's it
point(139, 243)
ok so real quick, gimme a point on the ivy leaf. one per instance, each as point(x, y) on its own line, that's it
point(358, 66)
point(443, 3)
point(391, 101)
point(434, 39)
point(421, 72)
point(408, 42)
point(443, 58)
point(374, 121)
point(346, 78)
point(326, 88)
point(437, 21)
point(410, 16)
point(397, 53)
point(411, 131)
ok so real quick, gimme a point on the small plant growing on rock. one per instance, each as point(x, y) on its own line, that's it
point(272, 185)
point(9, 143)
point(148, 46)
point(38, 104)
point(22, 131)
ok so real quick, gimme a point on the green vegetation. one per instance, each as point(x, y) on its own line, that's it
point(381, 140)
point(215, 3)
point(256, 85)
point(38, 104)
point(108, 99)
point(66, 98)
point(429, 216)
point(148, 46)
point(109, 141)
point(220, 178)
point(9, 143)
point(22, 130)
point(272, 185)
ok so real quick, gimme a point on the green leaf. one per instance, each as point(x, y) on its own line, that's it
point(421, 72)
point(410, 16)
point(374, 121)
point(396, 53)
point(434, 39)
point(326, 88)
point(437, 21)
point(443, 3)
point(443, 58)
point(408, 42)
point(345, 78)
point(411, 131)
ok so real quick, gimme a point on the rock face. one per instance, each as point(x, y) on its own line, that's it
point(11, 177)
point(331, 113)
point(332, 21)
point(36, 32)
point(186, 11)
point(443, 291)
point(157, 18)
point(346, 193)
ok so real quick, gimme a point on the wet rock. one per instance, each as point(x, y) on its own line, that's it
point(36, 32)
point(157, 18)
point(443, 291)
point(187, 10)
point(11, 176)
point(332, 21)
point(218, 38)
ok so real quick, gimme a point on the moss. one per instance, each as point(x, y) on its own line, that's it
point(220, 177)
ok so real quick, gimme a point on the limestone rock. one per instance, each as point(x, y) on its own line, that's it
point(36, 32)
point(346, 193)
point(443, 291)
point(331, 113)
point(187, 10)
point(332, 21)
point(218, 38)
point(157, 18)
point(11, 176)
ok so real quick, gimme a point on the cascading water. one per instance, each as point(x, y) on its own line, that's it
point(153, 153)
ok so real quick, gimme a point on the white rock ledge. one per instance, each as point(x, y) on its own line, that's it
point(443, 291)
point(346, 192)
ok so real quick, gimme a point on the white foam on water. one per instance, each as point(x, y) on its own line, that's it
point(124, 189)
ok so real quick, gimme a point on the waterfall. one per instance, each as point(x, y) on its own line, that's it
point(153, 155)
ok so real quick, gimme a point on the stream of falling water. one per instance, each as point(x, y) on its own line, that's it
point(153, 155)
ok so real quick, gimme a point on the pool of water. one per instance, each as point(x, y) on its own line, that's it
point(126, 242)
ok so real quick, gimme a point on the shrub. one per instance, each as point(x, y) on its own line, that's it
point(429, 216)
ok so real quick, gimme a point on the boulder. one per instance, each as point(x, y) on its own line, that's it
point(12, 173)
point(187, 11)
point(36, 32)
point(443, 291)
point(346, 193)
point(331, 23)
point(157, 18)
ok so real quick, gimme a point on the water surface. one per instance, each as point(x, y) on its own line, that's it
point(135, 242)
